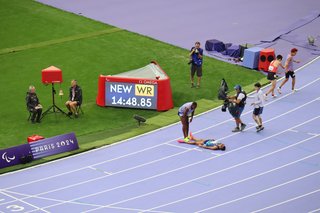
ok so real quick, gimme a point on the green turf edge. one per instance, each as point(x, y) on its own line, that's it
point(162, 120)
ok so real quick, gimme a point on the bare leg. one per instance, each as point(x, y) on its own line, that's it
point(185, 126)
point(271, 90)
point(293, 83)
point(283, 82)
point(68, 105)
point(199, 79)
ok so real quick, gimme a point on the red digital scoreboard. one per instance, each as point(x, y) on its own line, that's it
point(144, 88)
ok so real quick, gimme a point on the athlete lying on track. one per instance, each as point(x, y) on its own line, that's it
point(207, 144)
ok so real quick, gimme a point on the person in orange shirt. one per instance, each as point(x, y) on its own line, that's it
point(272, 74)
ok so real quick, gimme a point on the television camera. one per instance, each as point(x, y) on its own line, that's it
point(223, 95)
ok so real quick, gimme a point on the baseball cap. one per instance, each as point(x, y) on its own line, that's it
point(238, 87)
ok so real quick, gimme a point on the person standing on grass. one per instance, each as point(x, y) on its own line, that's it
point(289, 70)
point(258, 105)
point(240, 101)
point(186, 112)
point(196, 55)
point(272, 75)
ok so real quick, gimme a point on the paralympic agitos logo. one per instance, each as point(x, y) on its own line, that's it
point(7, 158)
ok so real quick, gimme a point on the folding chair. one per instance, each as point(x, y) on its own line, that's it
point(30, 114)
point(79, 109)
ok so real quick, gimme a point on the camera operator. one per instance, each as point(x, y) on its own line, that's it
point(240, 101)
point(196, 55)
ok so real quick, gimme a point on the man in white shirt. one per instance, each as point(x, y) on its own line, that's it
point(258, 106)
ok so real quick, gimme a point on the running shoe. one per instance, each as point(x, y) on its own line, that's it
point(236, 129)
point(265, 97)
point(261, 128)
point(243, 126)
point(186, 139)
point(279, 90)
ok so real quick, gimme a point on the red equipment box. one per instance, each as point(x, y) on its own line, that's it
point(266, 56)
point(34, 138)
point(51, 74)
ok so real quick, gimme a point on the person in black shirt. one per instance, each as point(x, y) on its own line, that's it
point(240, 101)
point(75, 98)
point(33, 105)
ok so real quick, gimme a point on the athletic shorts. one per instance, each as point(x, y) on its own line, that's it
point(290, 73)
point(237, 112)
point(258, 111)
point(210, 143)
point(271, 76)
point(196, 69)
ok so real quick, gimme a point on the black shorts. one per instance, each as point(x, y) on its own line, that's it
point(195, 68)
point(258, 111)
point(290, 73)
point(271, 76)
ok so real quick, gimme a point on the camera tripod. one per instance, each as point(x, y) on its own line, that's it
point(53, 108)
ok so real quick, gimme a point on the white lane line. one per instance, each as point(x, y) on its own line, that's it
point(220, 171)
point(316, 210)
point(180, 147)
point(287, 201)
point(83, 168)
point(310, 133)
point(98, 178)
point(142, 150)
point(177, 169)
point(72, 202)
point(22, 201)
point(189, 165)
point(273, 118)
point(100, 170)
point(196, 148)
point(26, 196)
point(192, 149)
point(262, 191)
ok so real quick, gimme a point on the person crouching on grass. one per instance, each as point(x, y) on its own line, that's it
point(206, 143)
point(185, 112)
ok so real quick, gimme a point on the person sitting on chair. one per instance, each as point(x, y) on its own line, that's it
point(207, 144)
point(75, 98)
point(33, 105)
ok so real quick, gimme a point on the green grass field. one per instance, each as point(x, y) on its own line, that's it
point(35, 36)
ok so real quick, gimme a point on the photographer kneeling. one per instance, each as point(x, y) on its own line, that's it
point(240, 101)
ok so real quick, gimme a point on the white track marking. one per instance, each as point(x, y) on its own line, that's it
point(189, 165)
point(153, 131)
point(220, 171)
point(287, 201)
point(113, 159)
point(22, 201)
point(314, 211)
point(262, 191)
point(61, 174)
